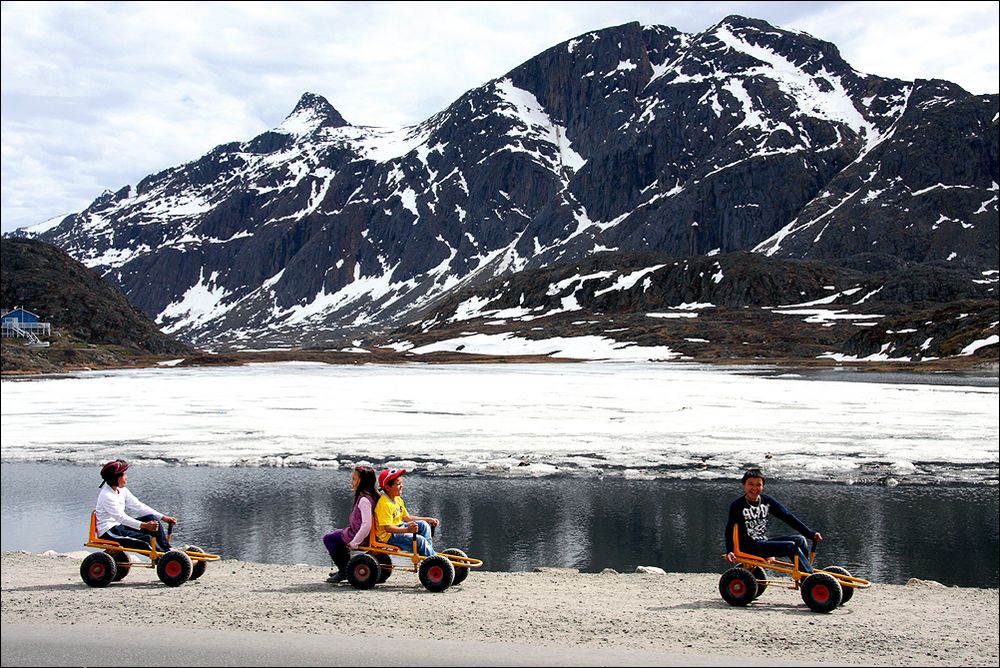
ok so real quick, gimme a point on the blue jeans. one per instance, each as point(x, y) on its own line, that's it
point(425, 545)
point(127, 535)
point(785, 546)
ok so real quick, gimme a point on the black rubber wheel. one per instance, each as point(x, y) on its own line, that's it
point(821, 592)
point(738, 586)
point(461, 572)
point(760, 575)
point(198, 566)
point(173, 568)
point(384, 566)
point(363, 571)
point(98, 569)
point(436, 573)
point(122, 563)
point(848, 592)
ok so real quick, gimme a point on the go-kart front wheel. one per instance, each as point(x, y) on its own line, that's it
point(848, 592)
point(738, 586)
point(173, 568)
point(821, 592)
point(363, 571)
point(98, 569)
point(436, 573)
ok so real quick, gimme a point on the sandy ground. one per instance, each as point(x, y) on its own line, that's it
point(915, 624)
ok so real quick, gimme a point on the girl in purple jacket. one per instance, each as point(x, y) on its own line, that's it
point(340, 542)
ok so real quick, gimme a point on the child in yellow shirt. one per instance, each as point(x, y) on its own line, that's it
point(395, 524)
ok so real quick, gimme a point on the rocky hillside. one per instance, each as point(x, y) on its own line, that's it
point(90, 317)
point(631, 139)
point(734, 306)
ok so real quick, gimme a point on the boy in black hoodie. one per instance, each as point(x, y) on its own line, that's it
point(750, 513)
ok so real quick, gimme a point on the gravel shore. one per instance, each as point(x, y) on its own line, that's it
point(921, 623)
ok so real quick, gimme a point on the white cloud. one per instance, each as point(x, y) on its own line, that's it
point(957, 42)
point(98, 95)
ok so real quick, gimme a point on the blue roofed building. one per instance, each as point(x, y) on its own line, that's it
point(22, 323)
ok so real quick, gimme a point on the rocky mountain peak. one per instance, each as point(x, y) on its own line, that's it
point(763, 42)
point(311, 113)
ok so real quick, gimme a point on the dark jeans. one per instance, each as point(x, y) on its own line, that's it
point(335, 545)
point(127, 535)
point(785, 546)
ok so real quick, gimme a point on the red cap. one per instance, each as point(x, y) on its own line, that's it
point(112, 470)
point(388, 475)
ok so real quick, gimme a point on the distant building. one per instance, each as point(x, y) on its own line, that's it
point(24, 324)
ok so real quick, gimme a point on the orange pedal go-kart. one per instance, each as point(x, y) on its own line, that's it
point(174, 567)
point(822, 590)
point(374, 565)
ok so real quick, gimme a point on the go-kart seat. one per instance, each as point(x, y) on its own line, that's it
point(108, 543)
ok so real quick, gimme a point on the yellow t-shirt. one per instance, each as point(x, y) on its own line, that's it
point(389, 512)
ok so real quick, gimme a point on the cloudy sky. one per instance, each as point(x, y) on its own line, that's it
point(97, 95)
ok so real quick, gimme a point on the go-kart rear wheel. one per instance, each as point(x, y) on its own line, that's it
point(122, 563)
point(436, 573)
point(198, 566)
point(848, 592)
point(461, 572)
point(98, 569)
point(738, 586)
point(821, 592)
point(173, 568)
point(363, 571)
point(384, 566)
point(760, 575)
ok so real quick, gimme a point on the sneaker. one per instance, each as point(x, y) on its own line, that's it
point(339, 576)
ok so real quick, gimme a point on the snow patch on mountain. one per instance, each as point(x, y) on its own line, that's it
point(45, 226)
point(628, 281)
point(385, 144)
point(577, 347)
point(532, 121)
point(301, 122)
point(202, 302)
point(831, 102)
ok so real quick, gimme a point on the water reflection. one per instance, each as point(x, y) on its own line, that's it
point(949, 534)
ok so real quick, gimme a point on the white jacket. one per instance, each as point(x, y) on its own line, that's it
point(113, 506)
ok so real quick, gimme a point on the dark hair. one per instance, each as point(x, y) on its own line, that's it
point(753, 473)
point(366, 475)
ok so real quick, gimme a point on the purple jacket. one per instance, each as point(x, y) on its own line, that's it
point(357, 519)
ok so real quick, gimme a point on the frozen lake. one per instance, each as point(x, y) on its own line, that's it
point(628, 420)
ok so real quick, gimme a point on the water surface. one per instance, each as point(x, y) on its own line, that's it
point(278, 515)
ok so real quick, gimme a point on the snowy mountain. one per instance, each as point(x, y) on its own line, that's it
point(745, 137)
